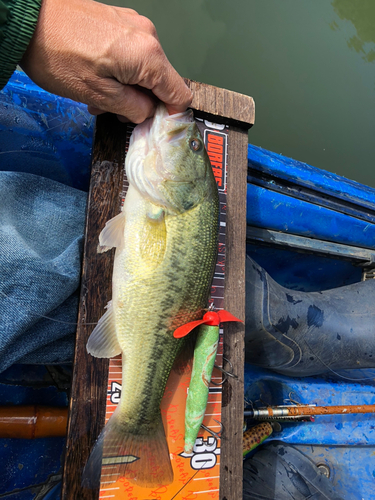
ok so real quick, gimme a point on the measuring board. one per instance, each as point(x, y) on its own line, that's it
point(97, 382)
point(197, 473)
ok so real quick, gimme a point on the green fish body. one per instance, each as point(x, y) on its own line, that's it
point(166, 248)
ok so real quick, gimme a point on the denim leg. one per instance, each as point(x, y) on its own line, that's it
point(41, 237)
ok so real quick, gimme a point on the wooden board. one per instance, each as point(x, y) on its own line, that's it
point(89, 388)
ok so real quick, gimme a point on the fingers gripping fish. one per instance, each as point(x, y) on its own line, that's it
point(166, 248)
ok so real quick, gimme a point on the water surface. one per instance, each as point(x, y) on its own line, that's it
point(309, 65)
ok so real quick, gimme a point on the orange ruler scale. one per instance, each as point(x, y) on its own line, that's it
point(196, 476)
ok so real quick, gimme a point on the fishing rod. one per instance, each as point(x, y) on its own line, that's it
point(272, 415)
point(32, 421)
point(299, 411)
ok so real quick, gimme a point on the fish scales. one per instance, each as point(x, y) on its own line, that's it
point(166, 241)
point(188, 263)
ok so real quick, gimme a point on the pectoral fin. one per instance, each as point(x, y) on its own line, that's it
point(113, 233)
point(103, 341)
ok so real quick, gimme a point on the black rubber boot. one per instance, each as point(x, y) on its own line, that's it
point(280, 472)
point(301, 334)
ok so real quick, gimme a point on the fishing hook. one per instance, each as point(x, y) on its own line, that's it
point(225, 378)
point(248, 403)
point(262, 401)
point(226, 372)
point(291, 400)
point(217, 435)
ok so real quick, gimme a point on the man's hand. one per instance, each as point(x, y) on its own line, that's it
point(107, 57)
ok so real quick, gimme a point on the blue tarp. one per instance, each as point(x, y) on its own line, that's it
point(52, 136)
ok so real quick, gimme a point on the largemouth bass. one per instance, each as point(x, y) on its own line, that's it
point(166, 248)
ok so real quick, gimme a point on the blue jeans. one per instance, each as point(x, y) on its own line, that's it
point(41, 237)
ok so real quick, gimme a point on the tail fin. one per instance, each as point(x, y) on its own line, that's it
point(142, 458)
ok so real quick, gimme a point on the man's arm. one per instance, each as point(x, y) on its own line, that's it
point(109, 58)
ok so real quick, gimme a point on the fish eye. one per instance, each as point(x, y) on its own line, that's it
point(196, 145)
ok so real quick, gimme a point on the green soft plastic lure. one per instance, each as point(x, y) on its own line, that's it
point(203, 364)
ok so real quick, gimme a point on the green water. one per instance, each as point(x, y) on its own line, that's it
point(309, 65)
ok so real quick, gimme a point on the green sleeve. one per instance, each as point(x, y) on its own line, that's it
point(18, 19)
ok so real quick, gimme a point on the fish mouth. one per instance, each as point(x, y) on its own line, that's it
point(175, 136)
point(144, 164)
point(162, 127)
point(179, 118)
point(172, 128)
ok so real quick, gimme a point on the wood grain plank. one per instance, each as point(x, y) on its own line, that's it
point(88, 393)
point(87, 405)
point(234, 333)
point(222, 105)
